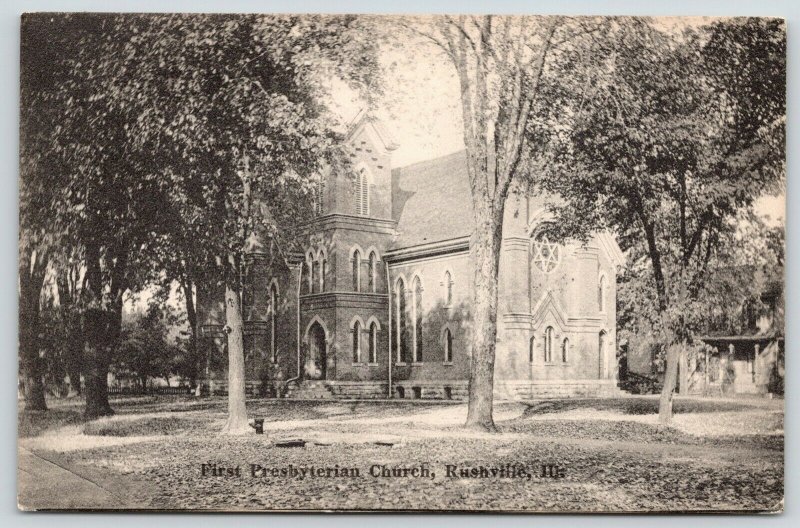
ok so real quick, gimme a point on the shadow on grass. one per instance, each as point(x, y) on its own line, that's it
point(633, 406)
point(35, 423)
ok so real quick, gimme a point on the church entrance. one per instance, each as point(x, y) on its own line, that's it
point(317, 359)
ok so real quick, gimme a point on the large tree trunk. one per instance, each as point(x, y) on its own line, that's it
point(31, 279)
point(486, 253)
point(102, 324)
point(237, 410)
point(670, 379)
point(96, 354)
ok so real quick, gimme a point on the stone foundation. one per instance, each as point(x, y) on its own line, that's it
point(430, 390)
point(253, 388)
point(526, 389)
point(358, 390)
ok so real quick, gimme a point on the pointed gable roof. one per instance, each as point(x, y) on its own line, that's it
point(374, 128)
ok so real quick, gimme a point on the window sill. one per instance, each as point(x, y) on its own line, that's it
point(417, 363)
point(447, 363)
point(372, 364)
point(400, 364)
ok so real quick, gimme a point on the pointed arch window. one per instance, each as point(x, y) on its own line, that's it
point(305, 279)
point(565, 350)
point(448, 288)
point(323, 274)
point(531, 348)
point(372, 272)
point(401, 323)
point(273, 309)
point(601, 353)
point(417, 315)
point(373, 343)
point(314, 276)
point(356, 342)
point(601, 293)
point(548, 344)
point(362, 194)
point(448, 346)
point(356, 270)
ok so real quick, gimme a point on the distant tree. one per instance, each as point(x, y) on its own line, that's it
point(669, 146)
point(144, 351)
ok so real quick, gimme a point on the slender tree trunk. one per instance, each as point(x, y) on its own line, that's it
point(31, 279)
point(191, 315)
point(237, 410)
point(73, 356)
point(74, 361)
point(667, 392)
point(486, 252)
point(683, 371)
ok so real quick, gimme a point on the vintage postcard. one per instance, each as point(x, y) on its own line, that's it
point(401, 263)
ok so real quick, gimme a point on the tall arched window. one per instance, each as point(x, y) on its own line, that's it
point(356, 270)
point(402, 331)
point(565, 350)
point(314, 276)
point(362, 194)
point(372, 272)
point(305, 280)
point(373, 343)
point(323, 274)
point(356, 342)
point(548, 344)
point(417, 307)
point(448, 288)
point(273, 310)
point(601, 353)
point(601, 293)
point(531, 348)
point(448, 346)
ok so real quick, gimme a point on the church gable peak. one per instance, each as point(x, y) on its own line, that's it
point(371, 128)
point(548, 304)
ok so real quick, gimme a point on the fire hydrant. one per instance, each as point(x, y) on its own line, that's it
point(258, 425)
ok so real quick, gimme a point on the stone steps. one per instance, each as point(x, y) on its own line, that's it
point(309, 390)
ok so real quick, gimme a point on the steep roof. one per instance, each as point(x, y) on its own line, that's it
point(431, 201)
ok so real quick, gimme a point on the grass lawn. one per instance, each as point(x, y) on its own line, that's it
point(603, 455)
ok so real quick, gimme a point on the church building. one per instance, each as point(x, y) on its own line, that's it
point(378, 303)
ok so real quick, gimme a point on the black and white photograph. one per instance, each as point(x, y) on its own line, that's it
point(401, 263)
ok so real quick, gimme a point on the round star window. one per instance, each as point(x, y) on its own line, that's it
point(546, 254)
